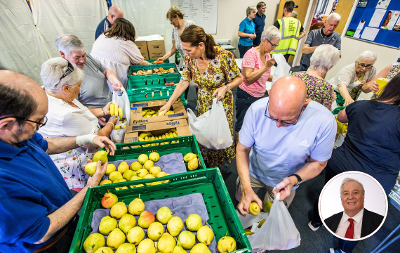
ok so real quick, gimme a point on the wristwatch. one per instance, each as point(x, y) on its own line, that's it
point(299, 180)
point(228, 89)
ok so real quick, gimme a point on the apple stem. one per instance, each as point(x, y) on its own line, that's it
point(226, 233)
point(139, 195)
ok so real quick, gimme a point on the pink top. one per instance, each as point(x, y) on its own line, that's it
point(252, 60)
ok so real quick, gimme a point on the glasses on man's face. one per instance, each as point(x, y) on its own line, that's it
point(362, 65)
point(39, 123)
point(69, 70)
point(284, 122)
point(273, 45)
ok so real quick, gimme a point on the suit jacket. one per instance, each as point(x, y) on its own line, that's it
point(370, 222)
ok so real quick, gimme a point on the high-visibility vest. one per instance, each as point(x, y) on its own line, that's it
point(290, 28)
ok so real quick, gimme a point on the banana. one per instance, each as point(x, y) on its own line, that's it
point(112, 110)
point(120, 114)
point(146, 138)
point(170, 112)
point(140, 139)
point(117, 127)
point(175, 134)
point(144, 134)
point(248, 232)
point(152, 138)
point(163, 136)
point(151, 112)
point(144, 112)
point(116, 109)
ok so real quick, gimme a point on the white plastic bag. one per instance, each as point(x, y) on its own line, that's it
point(278, 232)
point(211, 128)
point(121, 98)
point(117, 135)
point(282, 69)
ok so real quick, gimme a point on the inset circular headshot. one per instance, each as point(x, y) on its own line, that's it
point(353, 206)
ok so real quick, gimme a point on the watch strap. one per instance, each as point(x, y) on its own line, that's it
point(299, 180)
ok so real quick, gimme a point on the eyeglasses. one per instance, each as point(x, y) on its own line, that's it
point(362, 65)
point(284, 122)
point(69, 70)
point(273, 45)
point(40, 124)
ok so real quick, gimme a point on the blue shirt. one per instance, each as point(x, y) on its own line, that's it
point(246, 26)
point(278, 152)
point(103, 26)
point(31, 187)
point(259, 28)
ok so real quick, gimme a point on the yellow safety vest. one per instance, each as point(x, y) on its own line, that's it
point(290, 28)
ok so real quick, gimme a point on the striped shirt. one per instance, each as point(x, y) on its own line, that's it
point(252, 60)
point(116, 54)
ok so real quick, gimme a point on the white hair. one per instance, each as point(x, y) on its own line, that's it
point(53, 69)
point(271, 33)
point(334, 16)
point(67, 43)
point(346, 180)
point(294, 14)
point(367, 55)
point(249, 9)
point(324, 57)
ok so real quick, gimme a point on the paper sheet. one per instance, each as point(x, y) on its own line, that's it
point(369, 33)
point(377, 18)
point(382, 4)
point(359, 28)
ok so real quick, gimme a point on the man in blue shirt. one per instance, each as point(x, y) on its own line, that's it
point(285, 139)
point(113, 13)
point(259, 22)
point(246, 31)
point(36, 206)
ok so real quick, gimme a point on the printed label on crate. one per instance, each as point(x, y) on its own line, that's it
point(142, 127)
point(139, 121)
point(131, 139)
point(175, 115)
point(139, 105)
point(173, 123)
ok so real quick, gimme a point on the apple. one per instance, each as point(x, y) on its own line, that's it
point(109, 200)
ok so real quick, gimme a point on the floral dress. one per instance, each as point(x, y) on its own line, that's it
point(220, 71)
point(318, 89)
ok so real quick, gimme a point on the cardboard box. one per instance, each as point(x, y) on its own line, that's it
point(157, 129)
point(142, 45)
point(137, 109)
point(156, 48)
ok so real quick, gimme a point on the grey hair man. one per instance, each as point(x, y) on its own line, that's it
point(355, 221)
point(113, 13)
point(34, 190)
point(325, 35)
point(95, 90)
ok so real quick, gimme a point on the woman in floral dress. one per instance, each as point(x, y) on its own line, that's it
point(216, 73)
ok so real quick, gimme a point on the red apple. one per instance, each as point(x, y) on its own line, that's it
point(109, 200)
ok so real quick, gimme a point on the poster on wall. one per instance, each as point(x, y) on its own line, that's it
point(377, 18)
point(390, 20)
point(362, 3)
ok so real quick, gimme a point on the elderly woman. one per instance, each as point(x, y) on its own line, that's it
point(68, 117)
point(350, 79)
point(116, 49)
point(247, 31)
point(322, 60)
point(95, 91)
point(216, 73)
point(175, 16)
point(256, 71)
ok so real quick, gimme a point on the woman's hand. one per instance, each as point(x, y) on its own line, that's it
point(348, 100)
point(113, 120)
point(164, 109)
point(252, 36)
point(370, 86)
point(269, 63)
point(220, 93)
point(117, 85)
point(106, 109)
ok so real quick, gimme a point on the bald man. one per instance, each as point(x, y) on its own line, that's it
point(286, 139)
point(113, 13)
point(37, 208)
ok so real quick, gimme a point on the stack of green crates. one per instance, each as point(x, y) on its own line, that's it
point(165, 66)
point(185, 144)
point(222, 215)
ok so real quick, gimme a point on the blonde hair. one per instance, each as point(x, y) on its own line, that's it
point(174, 12)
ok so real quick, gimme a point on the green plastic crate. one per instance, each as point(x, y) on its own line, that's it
point(186, 144)
point(152, 81)
point(165, 66)
point(149, 94)
point(221, 212)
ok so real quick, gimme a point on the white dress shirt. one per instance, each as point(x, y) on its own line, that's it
point(344, 224)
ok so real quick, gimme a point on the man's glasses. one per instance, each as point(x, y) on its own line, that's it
point(273, 45)
point(40, 124)
point(362, 65)
point(69, 70)
point(284, 122)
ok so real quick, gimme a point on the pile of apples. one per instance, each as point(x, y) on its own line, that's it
point(174, 240)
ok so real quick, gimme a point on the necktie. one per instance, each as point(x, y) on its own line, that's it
point(350, 230)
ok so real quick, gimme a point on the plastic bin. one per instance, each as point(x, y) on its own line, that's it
point(157, 93)
point(153, 81)
point(153, 60)
point(186, 144)
point(165, 66)
point(209, 182)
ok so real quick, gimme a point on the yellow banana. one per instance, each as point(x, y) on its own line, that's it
point(140, 139)
point(112, 110)
point(144, 112)
point(144, 134)
point(170, 112)
point(175, 134)
point(120, 114)
point(116, 109)
point(151, 112)
point(117, 127)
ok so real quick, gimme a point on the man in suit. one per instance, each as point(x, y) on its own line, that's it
point(356, 221)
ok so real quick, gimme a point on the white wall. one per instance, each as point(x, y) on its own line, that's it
point(232, 12)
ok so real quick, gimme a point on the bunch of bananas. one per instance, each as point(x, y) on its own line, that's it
point(151, 113)
point(116, 111)
point(147, 136)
